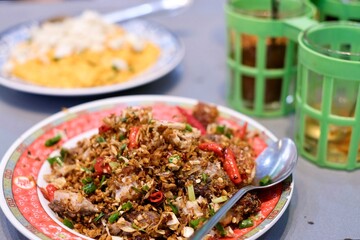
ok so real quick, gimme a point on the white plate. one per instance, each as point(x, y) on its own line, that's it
point(172, 52)
point(25, 206)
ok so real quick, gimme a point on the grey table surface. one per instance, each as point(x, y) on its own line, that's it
point(325, 203)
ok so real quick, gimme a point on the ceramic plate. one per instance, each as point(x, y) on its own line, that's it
point(25, 162)
point(172, 52)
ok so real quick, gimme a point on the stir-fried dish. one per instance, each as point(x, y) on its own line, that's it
point(77, 52)
point(145, 178)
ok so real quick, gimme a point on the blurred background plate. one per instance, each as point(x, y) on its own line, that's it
point(172, 52)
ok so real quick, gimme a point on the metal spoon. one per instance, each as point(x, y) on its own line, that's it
point(159, 6)
point(146, 9)
point(277, 161)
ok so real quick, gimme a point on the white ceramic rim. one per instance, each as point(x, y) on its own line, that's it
point(117, 100)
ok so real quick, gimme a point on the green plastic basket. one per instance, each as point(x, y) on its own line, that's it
point(328, 95)
point(258, 85)
point(338, 9)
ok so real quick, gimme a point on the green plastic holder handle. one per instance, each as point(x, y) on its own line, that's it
point(340, 10)
point(263, 29)
point(328, 94)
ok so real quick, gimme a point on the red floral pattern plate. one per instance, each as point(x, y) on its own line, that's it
point(24, 164)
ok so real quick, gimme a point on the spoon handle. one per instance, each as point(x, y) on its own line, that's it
point(143, 10)
point(201, 232)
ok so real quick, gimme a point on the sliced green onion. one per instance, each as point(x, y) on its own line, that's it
point(136, 189)
point(265, 181)
point(221, 229)
point(204, 177)
point(191, 192)
point(102, 181)
point(220, 199)
point(64, 152)
point(126, 206)
point(195, 223)
point(56, 159)
point(174, 158)
point(133, 225)
point(98, 217)
point(52, 141)
point(89, 188)
point(68, 223)
point(121, 137)
point(114, 165)
point(122, 148)
point(100, 140)
point(174, 209)
point(88, 170)
point(124, 119)
point(145, 188)
point(188, 127)
point(246, 223)
point(228, 135)
point(220, 129)
point(86, 180)
point(211, 211)
point(114, 217)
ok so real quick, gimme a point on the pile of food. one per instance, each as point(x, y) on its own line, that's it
point(144, 178)
point(83, 51)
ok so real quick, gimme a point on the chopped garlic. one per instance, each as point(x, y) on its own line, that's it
point(120, 64)
point(173, 223)
point(220, 180)
point(201, 200)
point(160, 231)
point(136, 42)
point(116, 43)
point(125, 226)
point(59, 182)
point(187, 231)
point(116, 238)
point(194, 162)
point(192, 206)
point(173, 167)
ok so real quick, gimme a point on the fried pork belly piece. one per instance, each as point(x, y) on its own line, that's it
point(245, 207)
point(176, 134)
point(205, 113)
point(69, 204)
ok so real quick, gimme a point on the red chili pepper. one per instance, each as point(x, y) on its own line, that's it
point(241, 132)
point(133, 137)
point(100, 167)
point(192, 120)
point(258, 145)
point(48, 192)
point(156, 197)
point(104, 128)
point(212, 147)
point(50, 188)
point(230, 167)
point(44, 193)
